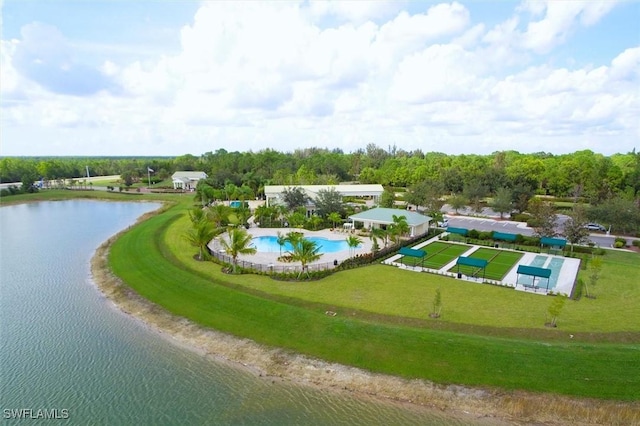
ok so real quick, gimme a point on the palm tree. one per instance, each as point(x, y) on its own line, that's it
point(264, 215)
point(281, 239)
point(379, 234)
point(197, 214)
point(219, 214)
point(238, 242)
point(315, 221)
point(334, 217)
point(305, 251)
point(200, 235)
point(293, 237)
point(353, 241)
point(399, 228)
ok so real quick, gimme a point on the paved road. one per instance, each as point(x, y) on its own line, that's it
point(510, 227)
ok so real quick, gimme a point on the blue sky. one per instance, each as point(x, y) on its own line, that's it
point(175, 77)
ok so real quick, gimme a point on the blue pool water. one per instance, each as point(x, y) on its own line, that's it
point(270, 244)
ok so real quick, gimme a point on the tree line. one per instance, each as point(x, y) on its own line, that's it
point(510, 178)
point(584, 174)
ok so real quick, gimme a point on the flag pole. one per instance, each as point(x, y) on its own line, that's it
point(149, 176)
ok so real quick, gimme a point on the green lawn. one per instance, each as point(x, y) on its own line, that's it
point(392, 291)
point(157, 262)
point(438, 257)
point(500, 262)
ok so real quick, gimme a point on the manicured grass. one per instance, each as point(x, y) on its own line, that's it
point(500, 262)
point(157, 262)
point(445, 255)
point(391, 291)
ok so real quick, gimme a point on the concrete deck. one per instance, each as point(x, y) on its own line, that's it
point(265, 258)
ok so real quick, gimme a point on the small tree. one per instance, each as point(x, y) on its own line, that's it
point(595, 268)
point(201, 233)
point(281, 239)
point(353, 241)
point(295, 197)
point(457, 202)
point(387, 199)
point(238, 242)
point(554, 310)
point(334, 217)
point(475, 192)
point(574, 230)
point(328, 201)
point(502, 201)
point(375, 247)
point(304, 251)
point(436, 306)
point(399, 228)
point(544, 218)
point(315, 221)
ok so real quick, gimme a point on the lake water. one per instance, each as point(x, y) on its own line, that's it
point(66, 349)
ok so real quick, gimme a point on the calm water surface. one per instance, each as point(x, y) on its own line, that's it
point(64, 346)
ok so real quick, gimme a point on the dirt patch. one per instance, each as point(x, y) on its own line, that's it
point(496, 406)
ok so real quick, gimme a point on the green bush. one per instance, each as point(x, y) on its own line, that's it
point(483, 235)
point(533, 223)
point(618, 244)
point(636, 243)
point(530, 241)
point(473, 234)
point(521, 217)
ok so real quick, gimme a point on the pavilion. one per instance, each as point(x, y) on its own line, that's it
point(381, 217)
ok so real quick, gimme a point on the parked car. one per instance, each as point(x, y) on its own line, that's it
point(595, 227)
point(444, 223)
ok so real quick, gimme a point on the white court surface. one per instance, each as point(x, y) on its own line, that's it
point(562, 279)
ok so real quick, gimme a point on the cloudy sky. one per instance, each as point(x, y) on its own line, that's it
point(183, 77)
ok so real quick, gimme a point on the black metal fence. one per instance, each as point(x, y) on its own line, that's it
point(359, 260)
point(272, 268)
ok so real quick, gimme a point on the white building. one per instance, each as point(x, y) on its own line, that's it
point(275, 193)
point(187, 180)
point(382, 217)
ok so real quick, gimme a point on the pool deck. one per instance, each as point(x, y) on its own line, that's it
point(272, 258)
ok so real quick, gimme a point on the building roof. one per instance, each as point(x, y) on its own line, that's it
point(312, 190)
point(180, 175)
point(385, 216)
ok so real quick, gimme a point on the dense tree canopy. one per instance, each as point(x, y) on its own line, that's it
point(581, 176)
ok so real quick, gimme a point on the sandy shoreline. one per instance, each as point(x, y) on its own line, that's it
point(493, 406)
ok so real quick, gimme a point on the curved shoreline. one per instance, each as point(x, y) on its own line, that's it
point(495, 406)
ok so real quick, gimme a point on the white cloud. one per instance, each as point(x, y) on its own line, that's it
point(336, 74)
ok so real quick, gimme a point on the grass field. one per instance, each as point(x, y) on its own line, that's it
point(291, 315)
point(500, 262)
point(438, 257)
point(438, 254)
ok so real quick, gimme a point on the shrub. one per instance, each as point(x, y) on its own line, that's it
point(484, 235)
point(521, 217)
point(533, 223)
point(618, 244)
point(530, 241)
point(473, 234)
point(636, 243)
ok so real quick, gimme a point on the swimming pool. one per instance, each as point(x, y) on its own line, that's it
point(270, 244)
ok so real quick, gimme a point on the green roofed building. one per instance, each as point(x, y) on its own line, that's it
point(381, 217)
